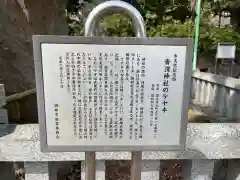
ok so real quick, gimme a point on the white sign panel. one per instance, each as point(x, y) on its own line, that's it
point(98, 94)
point(226, 51)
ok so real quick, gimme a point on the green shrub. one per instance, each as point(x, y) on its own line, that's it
point(120, 25)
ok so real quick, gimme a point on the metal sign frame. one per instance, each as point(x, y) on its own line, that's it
point(225, 44)
point(222, 62)
point(40, 39)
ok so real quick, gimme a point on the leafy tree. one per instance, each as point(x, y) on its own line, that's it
point(166, 18)
point(230, 7)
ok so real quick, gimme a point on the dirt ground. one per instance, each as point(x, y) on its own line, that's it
point(120, 170)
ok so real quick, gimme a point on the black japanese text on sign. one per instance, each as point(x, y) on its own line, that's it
point(113, 95)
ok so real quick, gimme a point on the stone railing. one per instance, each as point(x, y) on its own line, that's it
point(207, 143)
point(216, 96)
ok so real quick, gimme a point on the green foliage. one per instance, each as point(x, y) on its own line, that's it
point(224, 5)
point(119, 25)
point(230, 7)
point(76, 30)
point(210, 36)
point(175, 29)
point(166, 18)
point(116, 25)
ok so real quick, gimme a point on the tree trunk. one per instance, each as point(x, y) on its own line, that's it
point(193, 9)
point(19, 20)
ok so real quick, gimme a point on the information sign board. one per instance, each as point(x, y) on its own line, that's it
point(226, 51)
point(112, 94)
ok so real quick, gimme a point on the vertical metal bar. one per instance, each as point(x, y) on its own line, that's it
point(197, 27)
point(90, 166)
point(90, 25)
point(100, 170)
point(136, 165)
